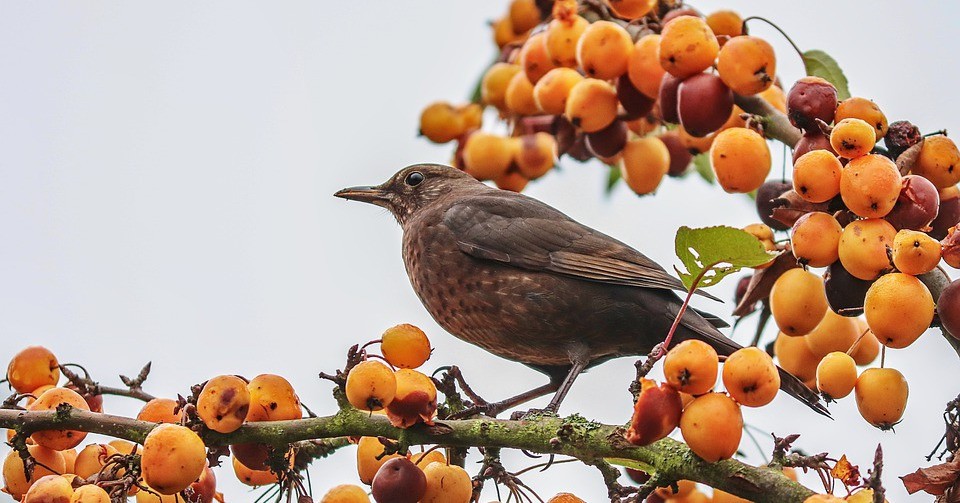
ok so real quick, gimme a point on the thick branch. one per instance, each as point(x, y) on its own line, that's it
point(776, 125)
point(572, 436)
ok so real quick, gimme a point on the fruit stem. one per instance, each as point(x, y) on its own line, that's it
point(683, 309)
point(854, 345)
point(883, 355)
point(771, 23)
point(936, 133)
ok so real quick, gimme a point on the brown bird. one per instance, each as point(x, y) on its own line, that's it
point(525, 282)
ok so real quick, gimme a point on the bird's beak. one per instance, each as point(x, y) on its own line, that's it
point(367, 194)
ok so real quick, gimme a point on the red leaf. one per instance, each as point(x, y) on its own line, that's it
point(934, 480)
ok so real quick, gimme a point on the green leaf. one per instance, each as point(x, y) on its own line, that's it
point(702, 164)
point(820, 64)
point(613, 178)
point(629, 463)
point(715, 252)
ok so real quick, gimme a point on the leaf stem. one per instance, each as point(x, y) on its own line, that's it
point(774, 25)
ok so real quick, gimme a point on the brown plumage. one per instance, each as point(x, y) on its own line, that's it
point(523, 281)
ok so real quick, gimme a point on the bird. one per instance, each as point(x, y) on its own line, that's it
point(523, 281)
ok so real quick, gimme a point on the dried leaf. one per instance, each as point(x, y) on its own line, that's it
point(790, 206)
point(934, 480)
point(908, 158)
point(762, 282)
point(846, 472)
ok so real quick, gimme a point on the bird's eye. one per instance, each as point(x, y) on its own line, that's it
point(414, 179)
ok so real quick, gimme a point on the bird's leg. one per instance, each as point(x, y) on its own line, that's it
point(575, 370)
point(492, 409)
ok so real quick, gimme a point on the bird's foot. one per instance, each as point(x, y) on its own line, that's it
point(484, 409)
point(548, 411)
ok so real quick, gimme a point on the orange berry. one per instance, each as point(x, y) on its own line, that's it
point(440, 122)
point(644, 163)
point(816, 176)
point(630, 9)
point(865, 110)
point(725, 24)
point(687, 46)
point(898, 308)
point(684, 489)
point(915, 252)
point(852, 138)
point(91, 459)
point(447, 484)
point(519, 96)
point(534, 59)
point(487, 156)
point(655, 414)
point(870, 185)
point(863, 247)
point(747, 65)
point(90, 494)
point(512, 181)
point(604, 49)
point(415, 401)
point(503, 31)
point(939, 161)
point(824, 498)
point(32, 368)
point(160, 410)
point(405, 346)
point(272, 398)
point(798, 302)
point(346, 493)
point(368, 450)
point(524, 15)
point(371, 385)
point(173, 458)
point(551, 91)
point(422, 459)
point(833, 333)
point(691, 367)
point(49, 489)
point(711, 426)
point(750, 377)
point(537, 155)
point(591, 105)
point(563, 34)
point(565, 498)
point(740, 158)
point(795, 356)
point(643, 67)
point(836, 375)
point(493, 86)
point(882, 396)
point(251, 477)
point(49, 462)
point(223, 403)
point(50, 400)
point(815, 238)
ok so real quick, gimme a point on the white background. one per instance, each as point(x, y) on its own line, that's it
point(166, 173)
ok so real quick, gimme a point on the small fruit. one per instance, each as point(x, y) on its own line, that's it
point(870, 185)
point(882, 396)
point(750, 377)
point(173, 458)
point(370, 458)
point(440, 122)
point(726, 24)
point(798, 302)
point(604, 49)
point(90, 494)
point(865, 110)
point(272, 398)
point(223, 403)
point(740, 158)
point(32, 368)
point(704, 104)
point(50, 400)
point(684, 488)
point(49, 462)
point(345, 493)
point(898, 308)
point(371, 385)
point(609, 142)
point(160, 410)
point(92, 458)
point(863, 247)
point(836, 375)
point(49, 489)
point(766, 194)
point(493, 86)
point(917, 205)
point(399, 481)
point(667, 98)
point(816, 238)
point(795, 356)
point(643, 67)
point(816, 176)
point(852, 138)
point(565, 498)
point(948, 308)
point(591, 105)
point(939, 161)
point(747, 64)
point(691, 367)
point(519, 96)
point(534, 58)
point(563, 33)
point(915, 252)
point(834, 333)
point(553, 89)
point(415, 400)
point(809, 99)
point(253, 478)
point(406, 346)
point(900, 136)
point(487, 156)
point(631, 9)
point(644, 163)
point(687, 46)
point(524, 15)
point(949, 215)
point(447, 484)
point(656, 413)
point(845, 292)
point(712, 426)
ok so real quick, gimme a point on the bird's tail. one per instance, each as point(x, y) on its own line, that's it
point(695, 326)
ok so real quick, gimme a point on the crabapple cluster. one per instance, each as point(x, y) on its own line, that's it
point(641, 85)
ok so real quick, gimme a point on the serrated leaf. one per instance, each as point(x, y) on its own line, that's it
point(715, 252)
point(613, 178)
point(821, 64)
point(701, 162)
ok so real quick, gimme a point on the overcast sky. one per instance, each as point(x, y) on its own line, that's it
point(166, 172)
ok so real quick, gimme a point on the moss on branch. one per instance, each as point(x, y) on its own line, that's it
point(572, 436)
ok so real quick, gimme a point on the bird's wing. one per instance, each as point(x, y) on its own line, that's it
point(525, 233)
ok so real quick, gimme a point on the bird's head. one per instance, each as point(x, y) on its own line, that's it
point(411, 188)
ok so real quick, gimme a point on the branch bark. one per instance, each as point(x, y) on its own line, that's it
point(776, 125)
point(572, 436)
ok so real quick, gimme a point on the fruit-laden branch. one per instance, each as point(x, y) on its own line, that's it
point(776, 125)
point(573, 436)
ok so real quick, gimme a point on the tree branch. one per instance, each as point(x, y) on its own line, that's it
point(776, 125)
point(572, 436)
